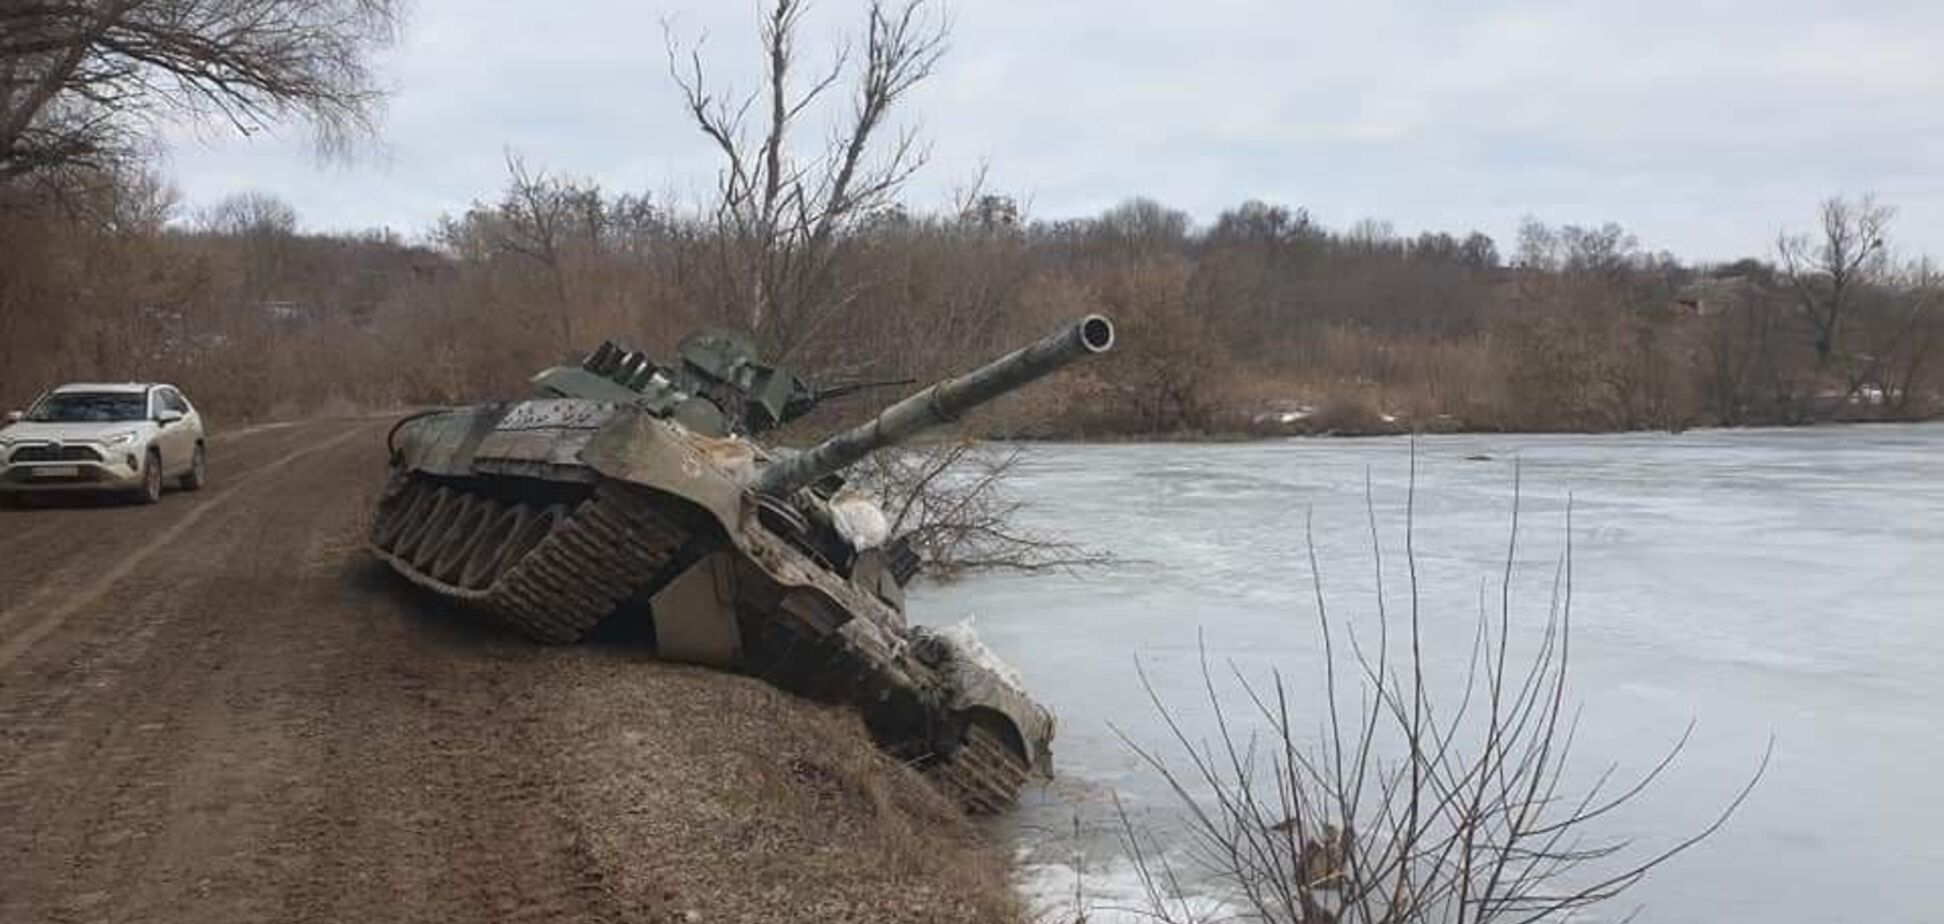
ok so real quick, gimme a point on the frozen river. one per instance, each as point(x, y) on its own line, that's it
point(1784, 583)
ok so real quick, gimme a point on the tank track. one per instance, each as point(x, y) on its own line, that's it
point(549, 571)
point(552, 571)
point(984, 775)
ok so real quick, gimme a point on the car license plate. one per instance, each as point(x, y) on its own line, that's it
point(57, 471)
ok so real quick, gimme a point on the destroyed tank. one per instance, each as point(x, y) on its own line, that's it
point(627, 490)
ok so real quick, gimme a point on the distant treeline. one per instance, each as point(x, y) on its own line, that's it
point(1261, 321)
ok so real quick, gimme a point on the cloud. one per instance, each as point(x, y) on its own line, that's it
point(1701, 125)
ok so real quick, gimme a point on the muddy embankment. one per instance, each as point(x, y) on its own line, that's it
point(217, 709)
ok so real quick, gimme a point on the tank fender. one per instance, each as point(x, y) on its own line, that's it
point(637, 448)
point(1028, 727)
point(1007, 728)
point(444, 442)
point(978, 689)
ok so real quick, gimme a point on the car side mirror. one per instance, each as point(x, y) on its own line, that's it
point(15, 417)
point(166, 418)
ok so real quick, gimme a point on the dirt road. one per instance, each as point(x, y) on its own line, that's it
point(216, 709)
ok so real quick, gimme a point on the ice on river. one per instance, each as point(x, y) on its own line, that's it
point(1785, 583)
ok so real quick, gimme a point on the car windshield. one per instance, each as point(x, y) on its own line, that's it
point(90, 406)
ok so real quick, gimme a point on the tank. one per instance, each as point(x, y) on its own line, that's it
point(625, 491)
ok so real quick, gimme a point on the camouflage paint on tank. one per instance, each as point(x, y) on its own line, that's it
point(621, 450)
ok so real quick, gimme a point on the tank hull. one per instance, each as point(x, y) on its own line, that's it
point(553, 515)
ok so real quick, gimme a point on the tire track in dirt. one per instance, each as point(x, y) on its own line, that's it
point(60, 540)
point(48, 615)
point(256, 722)
point(453, 772)
point(267, 736)
point(125, 727)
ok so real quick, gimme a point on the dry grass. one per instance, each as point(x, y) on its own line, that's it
point(710, 796)
point(762, 806)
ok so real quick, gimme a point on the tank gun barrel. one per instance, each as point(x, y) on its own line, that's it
point(846, 389)
point(941, 403)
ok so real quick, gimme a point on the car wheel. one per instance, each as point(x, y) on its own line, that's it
point(151, 491)
point(198, 473)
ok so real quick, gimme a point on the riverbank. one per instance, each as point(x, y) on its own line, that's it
point(248, 719)
point(1307, 421)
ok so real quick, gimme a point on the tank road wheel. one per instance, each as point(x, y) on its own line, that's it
point(424, 518)
point(552, 573)
point(438, 529)
point(413, 505)
point(460, 538)
point(985, 773)
point(398, 512)
point(533, 597)
point(532, 533)
point(591, 560)
point(489, 554)
point(392, 502)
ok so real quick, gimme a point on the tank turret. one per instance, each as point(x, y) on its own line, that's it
point(720, 369)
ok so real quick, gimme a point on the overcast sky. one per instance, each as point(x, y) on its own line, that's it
point(1702, 126)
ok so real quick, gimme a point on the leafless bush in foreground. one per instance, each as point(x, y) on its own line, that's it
point(1407, 807)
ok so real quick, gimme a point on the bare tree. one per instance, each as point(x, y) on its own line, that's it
point(1903, 339)
point(561, 227)
point(1606, 250)
point(1828, 270)
point(262, 231)
point(83, 83)
point(781, 214)
point(539, 218)
point(1738, 354)
point(1169, 360)
point(1416, 802)
point(249, 213)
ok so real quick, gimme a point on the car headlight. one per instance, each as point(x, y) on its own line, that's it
point(118, 439)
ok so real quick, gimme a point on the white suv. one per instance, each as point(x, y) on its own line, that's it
point(88, 437)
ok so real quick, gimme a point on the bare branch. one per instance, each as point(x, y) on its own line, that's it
point(1402, 811)
point(782, 219)
point(949, 499)
point(86, 81)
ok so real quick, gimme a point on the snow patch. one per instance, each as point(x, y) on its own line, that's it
point(1286, 416)
point(1113, 893)
point(965, 644)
